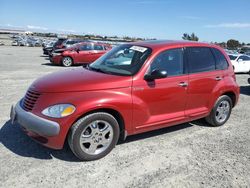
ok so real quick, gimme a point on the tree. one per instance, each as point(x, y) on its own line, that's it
point(233, 44)
point(191, 37)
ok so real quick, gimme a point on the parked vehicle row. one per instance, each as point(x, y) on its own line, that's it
point(22, 40)
point(134, 88)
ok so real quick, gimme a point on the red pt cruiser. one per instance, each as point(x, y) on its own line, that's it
point(133, 88)
point(82, 53)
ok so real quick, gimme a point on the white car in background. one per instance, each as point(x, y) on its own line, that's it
point(241, 63)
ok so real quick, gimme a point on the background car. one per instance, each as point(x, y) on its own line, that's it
point(14, 43)
point(83, 53)
point(70, 42)
point(241, 63)
point(48, 47)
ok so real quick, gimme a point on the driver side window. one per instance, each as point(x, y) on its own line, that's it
point(86, 47)
point(170, 61)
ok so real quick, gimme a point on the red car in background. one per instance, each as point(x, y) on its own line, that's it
point(82, 53)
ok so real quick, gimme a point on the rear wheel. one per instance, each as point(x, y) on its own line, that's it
point(94, 136)
point(67, 61)
point(220, 112)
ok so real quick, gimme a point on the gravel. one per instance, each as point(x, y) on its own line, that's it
point(186, 155)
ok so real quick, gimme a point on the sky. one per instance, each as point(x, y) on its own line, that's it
point(210, 20)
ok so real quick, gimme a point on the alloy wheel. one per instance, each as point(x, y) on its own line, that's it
point(96, 137)
point(222, 111)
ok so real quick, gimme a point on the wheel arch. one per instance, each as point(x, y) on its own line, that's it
point(232, 96)
point(63, 56)
point(117, 115)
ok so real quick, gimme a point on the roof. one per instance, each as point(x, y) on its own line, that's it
point(163, 43)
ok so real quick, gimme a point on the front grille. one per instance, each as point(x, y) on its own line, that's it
point(30, 99)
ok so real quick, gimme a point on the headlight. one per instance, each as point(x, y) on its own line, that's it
point(56, 54)
point(59, 110)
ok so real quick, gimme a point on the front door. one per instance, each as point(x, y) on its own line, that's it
point(162, 101)
point(85, 53)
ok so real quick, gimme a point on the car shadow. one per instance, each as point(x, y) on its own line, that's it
point(44, 55)
point(245, 90)
point(13, 138)
point(154, 133)
point(51, 64)
point(200, 122)
point(56, 65)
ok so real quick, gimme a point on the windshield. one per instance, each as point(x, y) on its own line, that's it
point(124, 60)
point(232, 57)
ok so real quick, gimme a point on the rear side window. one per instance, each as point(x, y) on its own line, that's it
point(170, 61)
point(244, 58)
point(221, 61)
point(86, 47)
point(98, 47)
point(200, 59)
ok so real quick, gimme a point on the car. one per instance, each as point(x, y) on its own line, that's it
point(48, 47)
point(245, 50)
point(70, 42)
point(166, 83)
point(32, 42)
point(241, 63)
point(83, 53)
point(22, 42)
point(14, 43)
point(56, 45)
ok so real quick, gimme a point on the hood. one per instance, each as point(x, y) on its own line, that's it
point(79, 79)
point(63, 49)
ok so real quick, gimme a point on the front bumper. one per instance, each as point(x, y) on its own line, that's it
point(33, 123)
point(56, 59)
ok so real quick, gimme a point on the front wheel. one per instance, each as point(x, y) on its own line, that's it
point(67, 61)
point(94, 136)
point(220, 112)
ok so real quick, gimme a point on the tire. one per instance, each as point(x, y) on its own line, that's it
point(93, 136)
point(220, 112)
point(67, 61)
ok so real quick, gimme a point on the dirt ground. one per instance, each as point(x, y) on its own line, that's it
point(186, 155)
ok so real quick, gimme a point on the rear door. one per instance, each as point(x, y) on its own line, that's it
point(203, 79)
point(99, 50)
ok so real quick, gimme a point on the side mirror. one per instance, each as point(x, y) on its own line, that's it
point(240, 60)
point(77, 50)
point(155, 74)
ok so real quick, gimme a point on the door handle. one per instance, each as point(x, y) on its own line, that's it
point(218, 78)
point(183, 84)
